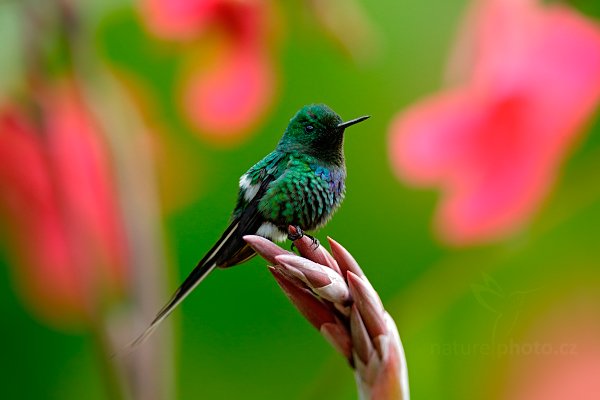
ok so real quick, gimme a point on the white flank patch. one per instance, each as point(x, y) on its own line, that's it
point(250, 190)
point(270, 231)
point(244, 181)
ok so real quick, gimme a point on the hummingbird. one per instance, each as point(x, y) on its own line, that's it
point(301, 184)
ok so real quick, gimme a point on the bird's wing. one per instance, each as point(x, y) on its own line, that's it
point(229, 250)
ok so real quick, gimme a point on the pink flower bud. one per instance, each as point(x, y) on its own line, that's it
point(315, 311)
point(66, 236)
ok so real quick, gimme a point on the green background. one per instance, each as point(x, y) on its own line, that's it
point(238, 336)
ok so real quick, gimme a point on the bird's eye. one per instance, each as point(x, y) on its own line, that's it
point(309, 128)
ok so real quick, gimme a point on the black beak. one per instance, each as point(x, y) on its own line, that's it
point(346, 124)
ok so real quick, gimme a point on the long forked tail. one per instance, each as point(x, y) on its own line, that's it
point(228, 245)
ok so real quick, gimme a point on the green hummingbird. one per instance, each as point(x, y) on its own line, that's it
point(301, 183)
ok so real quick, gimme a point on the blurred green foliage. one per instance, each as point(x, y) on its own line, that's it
point(240, 338)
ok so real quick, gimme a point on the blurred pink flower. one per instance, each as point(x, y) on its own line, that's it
point(495, 143)
point(560, 357)
point(231, 91)
point(65, 236)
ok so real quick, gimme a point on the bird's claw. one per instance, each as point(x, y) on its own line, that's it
point(315, 242)
point(297, 233)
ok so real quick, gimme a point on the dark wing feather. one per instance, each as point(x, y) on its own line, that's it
point(230, 249)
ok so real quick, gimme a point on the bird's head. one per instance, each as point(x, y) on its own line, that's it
point(317, 130)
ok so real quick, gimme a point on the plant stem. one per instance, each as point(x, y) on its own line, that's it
point(113, 380)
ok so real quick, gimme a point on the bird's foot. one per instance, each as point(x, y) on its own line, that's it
point(315, 241)
point(295, 233)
